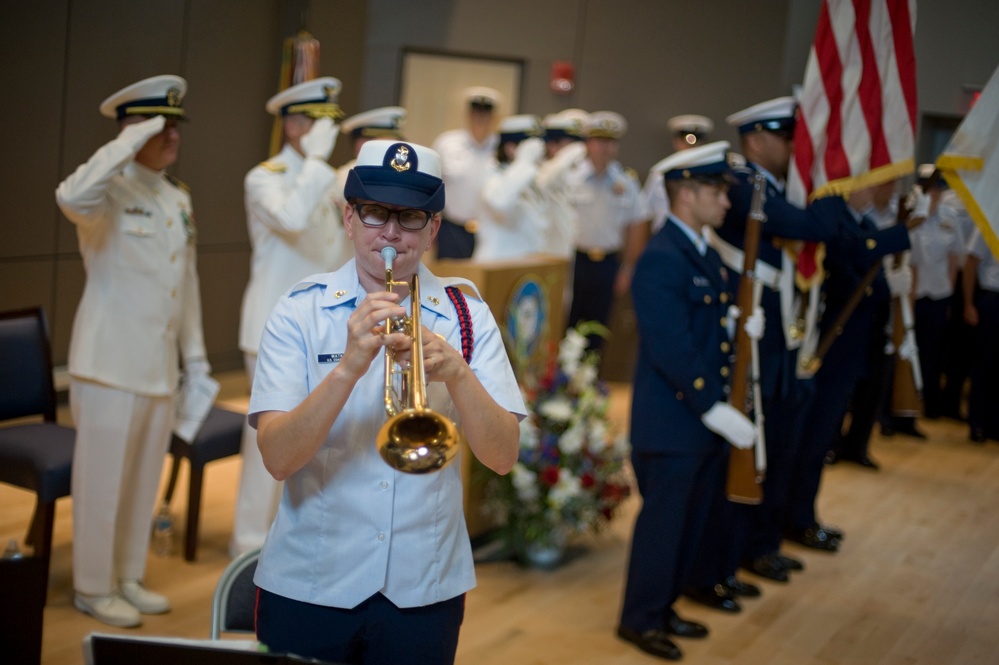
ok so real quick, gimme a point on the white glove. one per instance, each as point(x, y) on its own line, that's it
point(755, 324)
point(136, 134)
point(729, 422)
point(918, 202)
point(530, 150)
point(900, 281)
point(551, 170)
point(318, 142)
point(197, 367)
point(907, 349)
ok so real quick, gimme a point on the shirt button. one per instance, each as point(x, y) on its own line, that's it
point(383, 485)
point(725, 347)
point(173, 293)
point(169, 223)
point(381, 536)
point(173, 257)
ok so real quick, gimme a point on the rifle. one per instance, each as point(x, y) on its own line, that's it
point(744, 482)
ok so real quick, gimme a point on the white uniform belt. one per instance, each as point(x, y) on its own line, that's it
point(734, 258)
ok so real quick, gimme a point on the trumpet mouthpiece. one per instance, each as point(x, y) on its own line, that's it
point(388, 254)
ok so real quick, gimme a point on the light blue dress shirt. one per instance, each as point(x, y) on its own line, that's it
point(349, 525)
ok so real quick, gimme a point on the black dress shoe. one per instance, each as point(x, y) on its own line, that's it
point(683, 628)
point(789, 563)
point(815, 537)
point(832, 457)
point(910, 429)
point(833, 531)
point(767, 566)
point(887, 430)
point(737, 587)
point(655, 642)
point(717, 597)
point(863, 460)
point(977, 434)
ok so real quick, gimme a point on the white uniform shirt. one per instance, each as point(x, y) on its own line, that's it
point(656, 200)
point(988, 266)
point(295, 231)
point(141, 306)
point(933, 243)
point(350, 526)
point(606, 204)
point(465, 165)
point(515, 220)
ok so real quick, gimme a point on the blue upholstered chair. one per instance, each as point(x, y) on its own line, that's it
point(34, 455)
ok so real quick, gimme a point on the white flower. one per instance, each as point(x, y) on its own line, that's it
point(584, 376)
point(571, 441)
point(525, 482)
point(558, 408)
point(567, 487)
point(598, 437)
point(622, 445)
point(530, 435)
point(570, 350)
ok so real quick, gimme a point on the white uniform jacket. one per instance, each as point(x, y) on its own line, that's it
point(515, 218)
point(295, 231)
point(142, 302)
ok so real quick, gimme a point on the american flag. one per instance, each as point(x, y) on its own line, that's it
point(857, 122)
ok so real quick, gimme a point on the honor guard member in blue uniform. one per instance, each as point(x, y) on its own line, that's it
point(466, 155)
point(856, 246)
point(613, 223)
point(139, 317)
point(295, 231)
point(365, 563)
point(386, 122)
point(681, 424)
point(981, 312)
point(766, 131)
point(686, 131)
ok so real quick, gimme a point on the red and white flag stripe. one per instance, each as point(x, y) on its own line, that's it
point(857, 109)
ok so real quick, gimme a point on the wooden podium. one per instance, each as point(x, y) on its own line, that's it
point(525, 297)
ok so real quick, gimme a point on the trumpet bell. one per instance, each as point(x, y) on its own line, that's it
point(418, 441)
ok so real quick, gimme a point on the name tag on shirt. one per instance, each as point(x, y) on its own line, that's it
point(330, 357)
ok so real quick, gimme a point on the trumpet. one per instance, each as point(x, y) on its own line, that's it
point(414, 439)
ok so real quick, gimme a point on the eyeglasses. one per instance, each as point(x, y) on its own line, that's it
point(410, 219)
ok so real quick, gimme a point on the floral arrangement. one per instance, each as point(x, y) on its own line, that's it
point(569, 477)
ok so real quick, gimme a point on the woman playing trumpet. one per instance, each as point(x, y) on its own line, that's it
point(363, 563)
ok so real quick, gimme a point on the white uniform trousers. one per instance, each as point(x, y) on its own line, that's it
point(121, 442)
point(259, 492)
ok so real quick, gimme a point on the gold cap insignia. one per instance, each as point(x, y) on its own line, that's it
point(173, 96)
point(401, 161)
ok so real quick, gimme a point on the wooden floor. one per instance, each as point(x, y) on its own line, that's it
point(916, 582)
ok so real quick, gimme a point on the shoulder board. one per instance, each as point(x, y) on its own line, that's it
point(177, 183)
point(274, 167)
point(472, 289)
point(303, 286)
point(631, 173)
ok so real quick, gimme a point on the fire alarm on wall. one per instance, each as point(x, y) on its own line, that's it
point(563, 77)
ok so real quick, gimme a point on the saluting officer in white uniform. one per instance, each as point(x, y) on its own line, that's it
point(515, 220)
point(687, 131)
point(612, 222)
point(466, 155)
point(139, 316)
point(565, 146)
point(386, 122)
point(295, 231)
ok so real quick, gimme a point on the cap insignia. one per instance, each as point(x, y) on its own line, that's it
point(401, 161)
point(330, 93)
point(173, 97)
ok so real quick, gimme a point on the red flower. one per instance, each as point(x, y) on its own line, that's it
point(587, 480)
point(549, 476)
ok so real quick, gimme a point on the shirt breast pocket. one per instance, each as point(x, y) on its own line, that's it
point(139, 247)
point(702, 295)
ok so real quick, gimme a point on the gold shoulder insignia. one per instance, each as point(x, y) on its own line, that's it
point(274, 167)
point(179, 184)
point(631, 173)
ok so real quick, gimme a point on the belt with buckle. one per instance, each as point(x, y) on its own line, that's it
point(596, 254)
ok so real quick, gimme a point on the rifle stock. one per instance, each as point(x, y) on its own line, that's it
point(744, 482)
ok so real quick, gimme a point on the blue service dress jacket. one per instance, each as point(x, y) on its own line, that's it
point(816, 223)
point(681, 300)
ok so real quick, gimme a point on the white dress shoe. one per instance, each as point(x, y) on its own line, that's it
point(142, 599)
point(112, 609)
